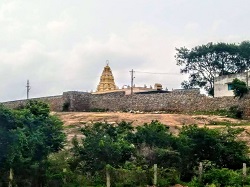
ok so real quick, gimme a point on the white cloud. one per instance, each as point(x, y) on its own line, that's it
point(57, 27)
point(192, 26)
point(61, 45)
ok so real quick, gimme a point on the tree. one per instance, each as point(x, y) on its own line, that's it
point(31, 135)
point(204, 63)
point(220, 146)
point(156, 145)
point(154, 134)
point(103, 144)
point(7, 137)
point(239, 87)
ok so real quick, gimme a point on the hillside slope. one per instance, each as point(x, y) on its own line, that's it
point(73, 121)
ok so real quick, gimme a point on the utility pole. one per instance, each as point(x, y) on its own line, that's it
point(132, 80)
point(247, 77)
point(28, 88)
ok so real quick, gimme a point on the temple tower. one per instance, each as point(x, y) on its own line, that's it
point(107, 82)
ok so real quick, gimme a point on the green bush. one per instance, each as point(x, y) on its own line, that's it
point(232, 112)
point(240, 88)
point(66, 107)
point(99, 110)
point(236, 112)
point(222, 177)
point(129, 178)
point(167, 177)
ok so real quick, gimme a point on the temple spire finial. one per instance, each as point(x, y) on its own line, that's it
point(107, 62)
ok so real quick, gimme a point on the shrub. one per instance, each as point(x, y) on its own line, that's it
point(99, 110)
point(222, 177)
point(239, 87)
point(66, 106)
point(236, 112)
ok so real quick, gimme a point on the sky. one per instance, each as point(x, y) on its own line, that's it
point(62, 45)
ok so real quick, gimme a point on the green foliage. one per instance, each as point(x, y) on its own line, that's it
point(167, 176)
point(66, 106)
point(7, 137)
point(37, 108)
point(32, 138)
point(226, 123)
point(222, 177)
point(103, 144)
point(131, 153)
point(133, 176)
point(155, 145)
point(219, 146)
point(31, 134)
point(153, 134)
point(205, 62)
point(239, 87)
point(232, 112)
point(235, 112)
point(99, 110)
point(59, 173)
point(195, 182)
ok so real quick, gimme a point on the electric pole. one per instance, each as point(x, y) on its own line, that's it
point(132, 80)
point(28, 88)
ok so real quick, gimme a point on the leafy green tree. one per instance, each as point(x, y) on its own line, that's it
point(153, 134)
point(59, 173)
point(223, 177)
point(36, 134)
point(239, 87)
point(7, 137)
point(220, 146)
point(103, 144)
point(156, 145)
point(205, 62)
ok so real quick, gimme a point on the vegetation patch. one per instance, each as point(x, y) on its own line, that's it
point(66, 106)
point(31, 147)
point(226, 123)
point(99, 110)
point(233, 112)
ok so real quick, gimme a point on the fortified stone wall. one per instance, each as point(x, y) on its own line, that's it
point(176, 101)
point(77, 101)
point(171, 102)
point(55, 102)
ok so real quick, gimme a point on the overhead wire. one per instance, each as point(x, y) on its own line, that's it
point(159, 73)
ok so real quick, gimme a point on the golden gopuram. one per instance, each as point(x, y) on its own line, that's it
point(107, 82)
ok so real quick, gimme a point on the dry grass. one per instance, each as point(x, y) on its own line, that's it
point(73, 121)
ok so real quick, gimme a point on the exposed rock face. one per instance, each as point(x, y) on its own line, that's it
point(107, 82)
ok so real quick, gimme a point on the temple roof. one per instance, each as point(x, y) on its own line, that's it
point(107, 82)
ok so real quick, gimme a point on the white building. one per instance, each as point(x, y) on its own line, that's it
point(223, 84)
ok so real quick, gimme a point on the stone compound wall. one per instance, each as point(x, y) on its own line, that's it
point(176, 101)
point(55, 102)
point(77, 101)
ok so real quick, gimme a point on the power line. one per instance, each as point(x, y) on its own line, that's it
point(157, 73)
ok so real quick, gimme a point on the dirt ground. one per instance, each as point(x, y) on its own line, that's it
point(73, 121)
point(72, 118)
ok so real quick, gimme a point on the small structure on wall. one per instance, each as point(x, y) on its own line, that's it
point(223, 84)
point(141, 89)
